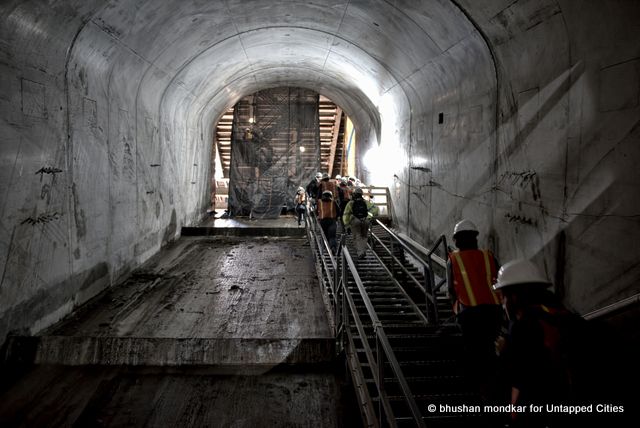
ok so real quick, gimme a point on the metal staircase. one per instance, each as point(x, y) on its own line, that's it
point(223, 140)
point(331, 132)
point(392, 320)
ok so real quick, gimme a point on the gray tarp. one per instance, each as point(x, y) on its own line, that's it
point(267, 165)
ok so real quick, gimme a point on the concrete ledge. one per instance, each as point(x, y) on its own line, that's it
point(135, 351)
point(242, 231)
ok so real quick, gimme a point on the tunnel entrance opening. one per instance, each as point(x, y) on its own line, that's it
point(271, 143)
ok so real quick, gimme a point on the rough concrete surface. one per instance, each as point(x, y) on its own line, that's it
point(118, 397)
point(211, 332)
point(221, 287)
point(201, 301)
point(520, 115)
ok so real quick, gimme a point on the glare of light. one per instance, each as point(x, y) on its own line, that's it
point(251, 120)
point(420, 161)
point(302, 149)
point(380, 161)
point(387, 106)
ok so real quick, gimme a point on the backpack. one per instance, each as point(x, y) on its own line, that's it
point(360, 209)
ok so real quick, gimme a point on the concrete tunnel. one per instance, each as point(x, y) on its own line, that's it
point(520, 115)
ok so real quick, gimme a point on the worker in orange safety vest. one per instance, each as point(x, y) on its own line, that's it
point(471, 273)
point(327, 216)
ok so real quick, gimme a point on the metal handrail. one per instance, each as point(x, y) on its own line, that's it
point(312, 226)
point(416, 247)
point(324, 242)
point(374, 363)
point(613, 308)
point(381, 342)
point(404, 246)
point(431, 256)
point(345, 309)
point(427, 265)
point(404, 269)
point(402, 290)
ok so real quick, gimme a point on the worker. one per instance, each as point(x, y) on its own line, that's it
point(327, 184)
point(312, 188)
point(553, 355)
point(327, 216)
point(300, 203)
point(357, 217)
point(471, 273)
point(346, 193)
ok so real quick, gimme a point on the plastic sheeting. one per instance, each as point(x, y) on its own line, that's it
point(275, 148)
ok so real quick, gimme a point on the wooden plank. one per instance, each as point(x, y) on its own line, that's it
point(334, 142)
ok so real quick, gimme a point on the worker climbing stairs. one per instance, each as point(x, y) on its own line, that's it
point(395, 327)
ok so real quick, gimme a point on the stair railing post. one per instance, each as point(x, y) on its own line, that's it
point(380, 362)
point(320, 241)
point(427, 282)
point(338, 297)
point(393, 270)
point(345, 290)
point(432, 290)
point(336, 275)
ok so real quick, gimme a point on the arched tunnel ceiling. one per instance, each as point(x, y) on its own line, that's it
point(119, 99)
point(354, 52)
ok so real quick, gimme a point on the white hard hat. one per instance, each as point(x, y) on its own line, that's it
point(519, 271)
point(465, 226)
point(338, 177)
point(318, 175)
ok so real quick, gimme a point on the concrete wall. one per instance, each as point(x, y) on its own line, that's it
point(108, 111)
point(563, 179)
point(123, 169)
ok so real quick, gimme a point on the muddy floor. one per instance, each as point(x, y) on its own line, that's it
point(121, 397)
point(239, 287)
point(258, 297)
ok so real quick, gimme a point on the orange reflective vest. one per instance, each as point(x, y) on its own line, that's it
point(346, 193)
point(327, 185)
point(326, 209)
point(474, 272)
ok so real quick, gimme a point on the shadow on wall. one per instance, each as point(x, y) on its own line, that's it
point(514, 185)
point(48, 306)
point(546, 197)
point(170, 230)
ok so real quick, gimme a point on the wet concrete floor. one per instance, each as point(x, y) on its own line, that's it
point(99, 396)
point(284, 221)
point(215, 331)
point(227, 287)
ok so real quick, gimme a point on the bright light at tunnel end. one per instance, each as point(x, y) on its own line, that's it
point(382, 163)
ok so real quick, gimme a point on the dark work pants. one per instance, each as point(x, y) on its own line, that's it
point(328, 226)
point(480, 327)
point(300, 211)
